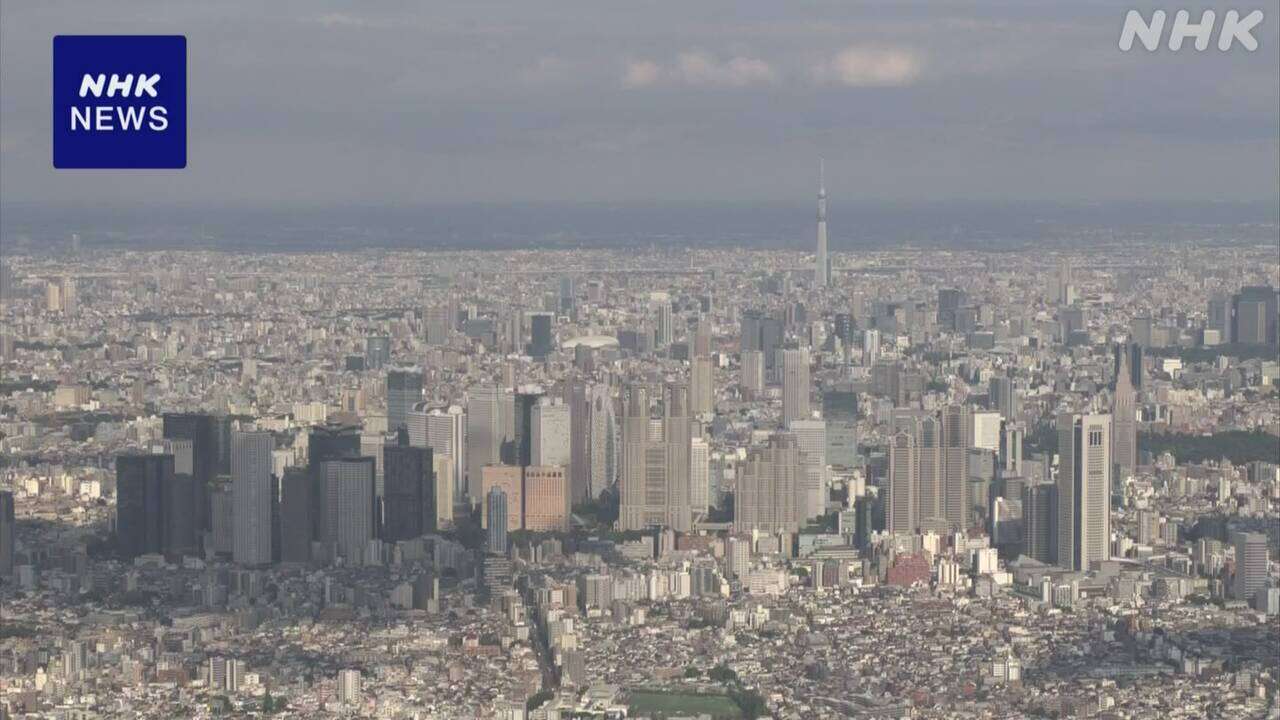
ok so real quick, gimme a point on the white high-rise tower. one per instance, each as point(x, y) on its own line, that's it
point(821, 264)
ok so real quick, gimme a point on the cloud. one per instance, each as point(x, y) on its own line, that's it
point(870, 67)
point(700, 68)
point(641, 73)
point(697, 68)
point(337, 19)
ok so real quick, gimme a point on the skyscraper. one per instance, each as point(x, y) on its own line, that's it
point(654, 479)
point(541, 340)
point(902, 485)
point(821, 263)
point(1254, 313)
point(664, 321)
point(1124, 446)
point(550, 434)
point(495, 516)
point(1084, 490)
point(296, 523)
point(519, 451)
point(957, 431)
point(795, 385)
point(768, 482)
point(409, 498)
point(202, 431)
point(349, 521)
point(484, 435)
point(510, 480)
point(7, 532)
point(251, 497)
point(377, 352)
point(444, 430)
point(1002, 397)
point(699, 475)
point(840, 410)
point(1250, 565)
point(811, 439)
point(546, 498)
point(141, 481)
point(702, 391)
point(1039, 522)
point(752, 380)
point(404, 391)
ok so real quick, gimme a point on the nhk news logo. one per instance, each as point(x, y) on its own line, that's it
point(119, 101)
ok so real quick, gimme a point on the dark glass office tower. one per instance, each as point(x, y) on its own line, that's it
point(541, 343)
point(7, 533)
point(409, 493)
point(404, 390)
point(140, 503)
point(296, 523)
point(206, 453)
point(327, 442)
point(519, 450)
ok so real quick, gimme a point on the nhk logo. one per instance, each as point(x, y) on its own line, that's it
point(119, 101)
point(1235, 28)
point(101, 117)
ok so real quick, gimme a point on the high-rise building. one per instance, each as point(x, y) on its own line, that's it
point(1002, 397)
point(404, 391)
point(840, 410)
point(495, 520)
point(1084, 490)
point(409, 498)
point(1254, 314)
point(752, 373)
point(550, 423)
point(1124, 428)
point(297, 526)
point(444, 468)
point(348, 687)
point(141, 485)
point(768, 484)
point(811, 439)
point(202, 431)
point(761, 333)
point(1010, 451)
point(519, 449)
point(444, 430)
point(1039, 522)
point(350, 520)
point(701, 387)
point(664, 320)
point(484, 434)
point(8, 543)
point(541, 337)
point(510, 480)
point(377, 352)
point(1250, 564)
point(546, 498)
point(699, 475)
point(702, 337)
point(928, 470)
point(252, 499)
point(654, 480)
point(821, 263)
point(795, 385)
point(902, 484)
point(870, 348)
point(957, 431)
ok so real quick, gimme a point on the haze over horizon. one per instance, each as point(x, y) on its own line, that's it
point(312, 105)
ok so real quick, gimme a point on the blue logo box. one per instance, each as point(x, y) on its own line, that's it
point(120, 101)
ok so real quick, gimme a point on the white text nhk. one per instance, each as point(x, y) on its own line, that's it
point(1235, 29)
point(106, 118)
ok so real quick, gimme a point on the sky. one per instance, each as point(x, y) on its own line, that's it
point(389, 103)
